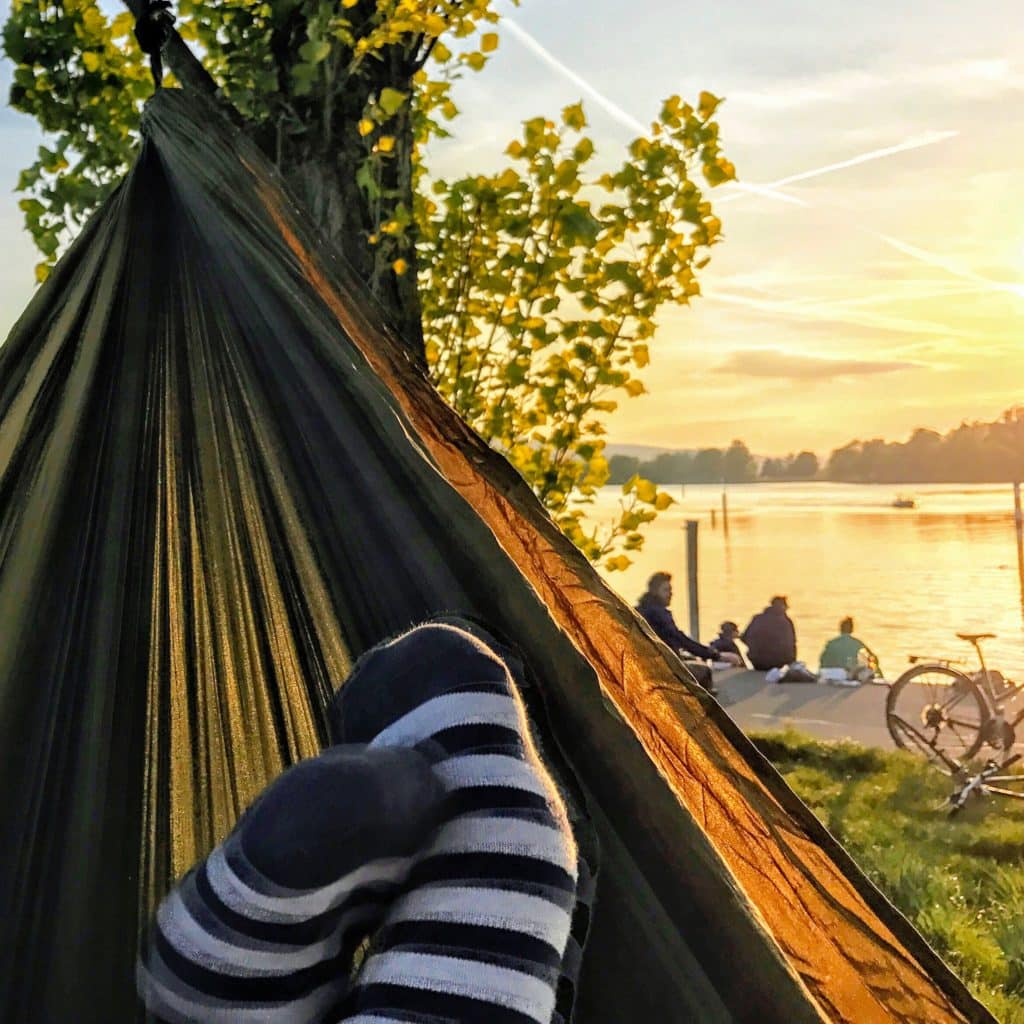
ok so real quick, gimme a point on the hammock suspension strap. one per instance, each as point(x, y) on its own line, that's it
point(153, 26)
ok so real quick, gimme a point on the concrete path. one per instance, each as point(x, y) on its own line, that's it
point(827, 712)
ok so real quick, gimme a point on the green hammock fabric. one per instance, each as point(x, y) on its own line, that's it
point(221, 479)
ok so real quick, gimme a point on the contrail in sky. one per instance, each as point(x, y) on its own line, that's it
point(613, 109)
point(620, 115)
point(769, 189)
point(950, 266)
point(628, 121)
point(919, 141)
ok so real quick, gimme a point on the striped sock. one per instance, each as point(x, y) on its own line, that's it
point(555, 763)
point(481, 933)
point(265, 928)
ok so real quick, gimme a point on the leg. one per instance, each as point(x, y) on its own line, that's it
point(265, 927)
point(701, 672)
point(481, 934)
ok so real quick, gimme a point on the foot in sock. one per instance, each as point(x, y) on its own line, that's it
point(481, 932)
point(265, 928)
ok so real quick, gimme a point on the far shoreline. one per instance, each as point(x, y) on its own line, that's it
point(822, 480)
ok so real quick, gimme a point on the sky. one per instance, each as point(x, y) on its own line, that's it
point(883, 295)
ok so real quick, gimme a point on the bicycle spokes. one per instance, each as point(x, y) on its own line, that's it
point(933, 708)
point(918, 742)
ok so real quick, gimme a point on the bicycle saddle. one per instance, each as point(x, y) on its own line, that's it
point(973, 638)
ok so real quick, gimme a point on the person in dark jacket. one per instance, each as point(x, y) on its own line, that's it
point(653, 606)
point(725, 642)
point(771, 637)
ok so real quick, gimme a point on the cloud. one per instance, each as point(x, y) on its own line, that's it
point(825, 314)
point(967, 79)
point(772, 362)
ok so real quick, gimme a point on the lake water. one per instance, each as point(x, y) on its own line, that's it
point(911, 578)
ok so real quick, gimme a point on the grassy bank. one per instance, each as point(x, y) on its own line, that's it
point(960, 881)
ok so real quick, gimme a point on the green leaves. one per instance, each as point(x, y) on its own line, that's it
point(540, 283)
point(82, 80)
point(313, 51)
point(304, 77)
point(540, 288)
point(577, 225)
point(573, 117)
point(392, 100)
point(32, 208)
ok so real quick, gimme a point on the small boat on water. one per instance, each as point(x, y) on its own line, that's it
point(904, 501)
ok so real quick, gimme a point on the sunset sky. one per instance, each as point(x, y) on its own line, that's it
point(883, 295)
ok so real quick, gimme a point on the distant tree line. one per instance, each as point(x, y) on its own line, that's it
point(972, 453)
point(791, 467)
point(734, 465)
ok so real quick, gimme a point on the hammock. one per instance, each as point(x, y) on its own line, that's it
point(221, 479)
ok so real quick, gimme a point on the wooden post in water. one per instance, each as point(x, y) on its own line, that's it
point(725, 510)
point(691, 577)
point(1018, 521)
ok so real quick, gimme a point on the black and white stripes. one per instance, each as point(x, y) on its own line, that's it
point(264, 929)
point(432, 826)
point(481, 934)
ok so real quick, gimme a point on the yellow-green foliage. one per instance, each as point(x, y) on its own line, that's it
point(539, 284)
point(82, 76)
point(959, 880)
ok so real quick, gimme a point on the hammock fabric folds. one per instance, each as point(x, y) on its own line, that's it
point(221, 479)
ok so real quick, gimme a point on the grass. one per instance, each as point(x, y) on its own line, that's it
point(960, 881)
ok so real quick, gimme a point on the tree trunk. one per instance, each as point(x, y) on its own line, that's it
point(320, 166)
point(322, 170)
point(326, 183)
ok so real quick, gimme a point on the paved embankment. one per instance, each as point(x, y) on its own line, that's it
point(827, 712)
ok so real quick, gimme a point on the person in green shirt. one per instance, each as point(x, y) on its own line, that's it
point(844, 651)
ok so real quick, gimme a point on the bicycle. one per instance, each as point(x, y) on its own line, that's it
point(946, 714)
point(990, 781)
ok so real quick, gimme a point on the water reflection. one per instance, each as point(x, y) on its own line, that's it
point(911, 578)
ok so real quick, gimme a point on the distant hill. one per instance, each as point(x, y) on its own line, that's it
point(644, 452)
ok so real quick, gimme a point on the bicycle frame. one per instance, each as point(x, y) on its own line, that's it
point(924, 659)
point(995, 728)
point(987, 782)
point(997, 702)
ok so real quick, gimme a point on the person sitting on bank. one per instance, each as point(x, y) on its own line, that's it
point(847, 652)
point(653, 606)
point(725, 642)
point(771, 637)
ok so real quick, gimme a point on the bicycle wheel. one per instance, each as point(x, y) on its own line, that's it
point(937, 713)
